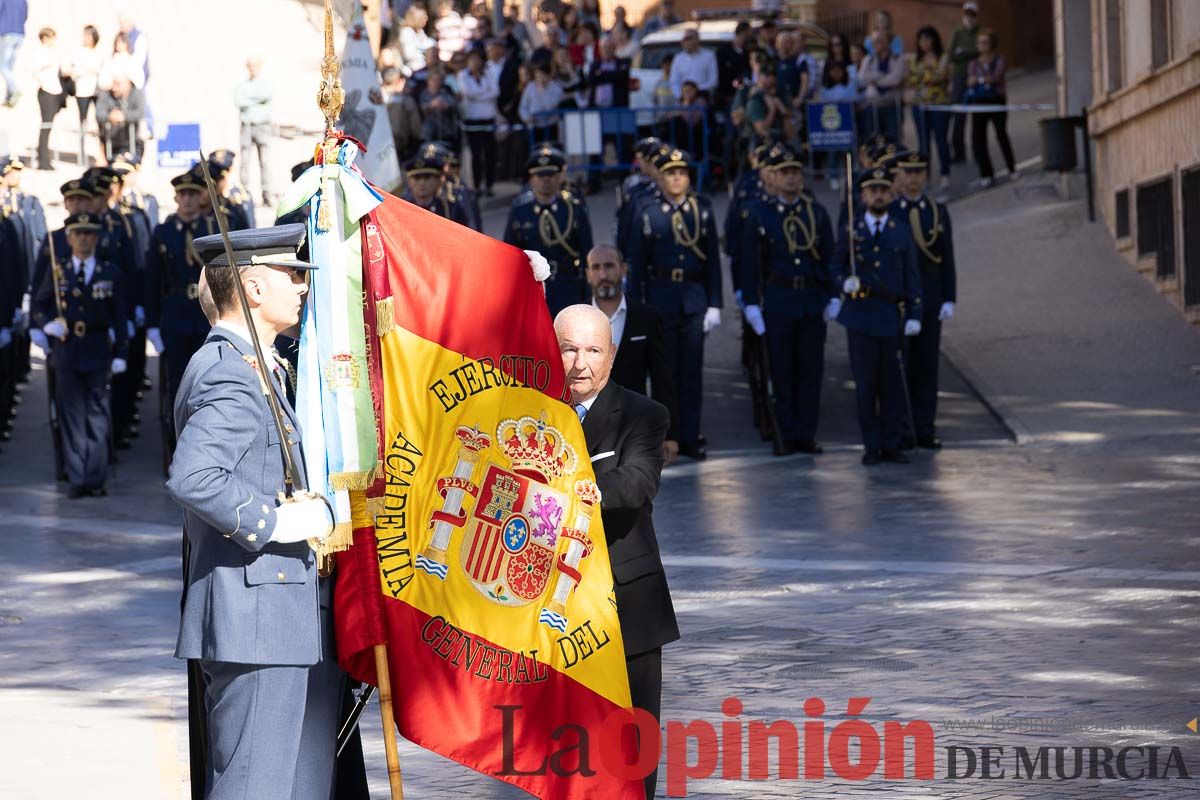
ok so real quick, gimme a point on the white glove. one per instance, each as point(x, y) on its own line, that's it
point(129, 328)
point(851, 285)
point(946, 312)
point(301, 520)
point(139, 316)
point(712, 319)
point(118, 366)
point(738, 297)
point(754, 319)
point(5, 338)
point(541, 267)
point(831, 310)
point(55, 329)
point(39, 338)
point(155, 337)
point(912, 327)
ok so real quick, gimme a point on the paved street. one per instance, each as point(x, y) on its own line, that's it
point(1055, 579)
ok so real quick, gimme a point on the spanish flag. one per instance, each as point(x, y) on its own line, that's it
point(479, 555)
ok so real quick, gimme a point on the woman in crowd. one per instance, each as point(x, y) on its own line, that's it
point(479, 91)
point(836, 87)
point(839, 50)
point(929, 82)
point(449, 29)
point(568, 77)
point(986, 86)
point(884, 25)
point(85, 73)
point(47, 66)
point(413, 42)
point(122, 64)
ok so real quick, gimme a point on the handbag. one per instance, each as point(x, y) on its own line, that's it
point(68, 85)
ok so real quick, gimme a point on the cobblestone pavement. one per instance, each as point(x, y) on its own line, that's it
point(979, 589)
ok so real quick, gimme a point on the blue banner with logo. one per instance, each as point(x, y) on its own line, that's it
point(831, 126)
point(181, 146)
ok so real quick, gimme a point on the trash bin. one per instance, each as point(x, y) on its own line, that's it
point(1058, 143)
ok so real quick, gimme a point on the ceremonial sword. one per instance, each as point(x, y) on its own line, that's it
point(54, 278)
point(850, 212)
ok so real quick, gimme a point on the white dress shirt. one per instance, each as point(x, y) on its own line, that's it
point(89, 267)
point(700, 68)
point(875, 224)
point(617, 320)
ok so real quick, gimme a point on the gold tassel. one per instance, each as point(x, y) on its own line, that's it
point(351, 481)
point(385, 316)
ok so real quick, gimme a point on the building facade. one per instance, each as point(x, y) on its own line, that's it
point(1144, 119)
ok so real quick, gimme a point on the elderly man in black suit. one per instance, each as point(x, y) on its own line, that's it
point(624, 432)
point(637, 334)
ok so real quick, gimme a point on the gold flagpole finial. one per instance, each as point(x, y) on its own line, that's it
point(331, 96)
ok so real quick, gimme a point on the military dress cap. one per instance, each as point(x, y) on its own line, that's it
point(125, 162)
point(221, 160)
point(83, 221)
point(546, 159)
point(274, 246)
point(77, 188)
point(427, 161)
point(9, 164)
point(192, 180)
point(672, 158)
point(451, 158)
point(646, 146)
point(780, 156)
point(103, 177)
point(875, 176)
point(910, 159)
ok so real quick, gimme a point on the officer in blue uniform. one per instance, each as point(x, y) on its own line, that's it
point(675, 266)
point(423, 177)
point(878, 151)
point(120, 245)
point(787, 245)
point(929, 221)
point(175, 324)
point(553, 221)
point(235, 214)
point(221, 161)
point(456, 191)
point(28, 217)
point(12, 290)
point(640, 183)
point(876, 265)
point(128, 164)
point(79, 308)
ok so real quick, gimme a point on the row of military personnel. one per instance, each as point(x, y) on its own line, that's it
point(91, 293)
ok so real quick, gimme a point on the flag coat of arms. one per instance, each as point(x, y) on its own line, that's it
point(479, 554)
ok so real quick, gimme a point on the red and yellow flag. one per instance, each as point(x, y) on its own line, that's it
point(479, 554)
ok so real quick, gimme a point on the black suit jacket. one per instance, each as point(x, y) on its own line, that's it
point(618, 77)
point(641, 354)
point(510, 93)
point(624, 432)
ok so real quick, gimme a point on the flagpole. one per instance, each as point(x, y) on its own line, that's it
point(330, 98)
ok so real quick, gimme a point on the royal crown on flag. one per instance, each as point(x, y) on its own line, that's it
point(535, 449)
point(587, 491)
point(473, 441)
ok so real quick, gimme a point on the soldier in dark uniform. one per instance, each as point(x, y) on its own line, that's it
point(876, 151)
point(28, 217)
point(553, 221)
point(456, 191)
point(79, 307)
point(638, 184)
point(787, 244)
point(423, 185)
point(235, 215)
point(675, 266)
point(12, 291)
point(127, 165)
point(882, 303)
point(123, 243)
point(930, 224)
point(221, 162)
point(175, 324)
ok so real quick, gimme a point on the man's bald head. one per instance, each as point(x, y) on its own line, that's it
point(585, 343)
